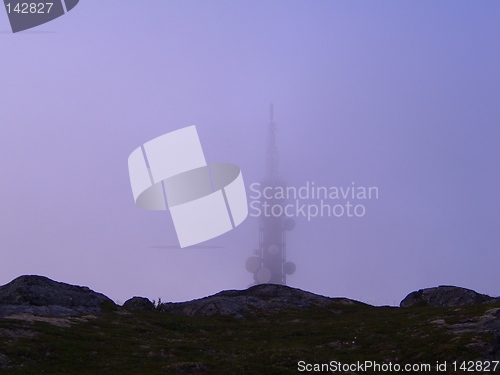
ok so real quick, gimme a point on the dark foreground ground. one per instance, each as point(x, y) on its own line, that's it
point(117, 341)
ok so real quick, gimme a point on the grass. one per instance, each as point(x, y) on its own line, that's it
point(118, 342)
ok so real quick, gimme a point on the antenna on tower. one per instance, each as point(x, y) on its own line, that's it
point(272, 149)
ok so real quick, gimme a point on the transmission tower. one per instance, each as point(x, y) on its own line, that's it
point(269, 263)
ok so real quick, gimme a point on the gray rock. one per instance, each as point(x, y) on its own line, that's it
point(445, 295)
point(42, 296)
point(139, 304)
point(265, 297)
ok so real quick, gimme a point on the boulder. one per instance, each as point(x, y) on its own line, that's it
point(42, 296)
point(139, 304)
point(444, 295)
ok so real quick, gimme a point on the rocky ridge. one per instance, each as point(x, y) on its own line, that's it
point(39, 295)
point(263, 297)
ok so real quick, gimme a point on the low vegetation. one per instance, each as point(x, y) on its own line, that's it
point(117, 341)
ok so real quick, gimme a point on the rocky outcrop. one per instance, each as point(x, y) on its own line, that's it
point(40, 295)
point(139, 304)
point(267, 298)
point(480, 327)
point(445, 295)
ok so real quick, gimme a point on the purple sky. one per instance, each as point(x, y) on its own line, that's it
point(404, 96)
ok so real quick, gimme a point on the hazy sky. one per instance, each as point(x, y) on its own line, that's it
point(403, 96)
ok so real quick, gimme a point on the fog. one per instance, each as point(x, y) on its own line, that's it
point(402, 97)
